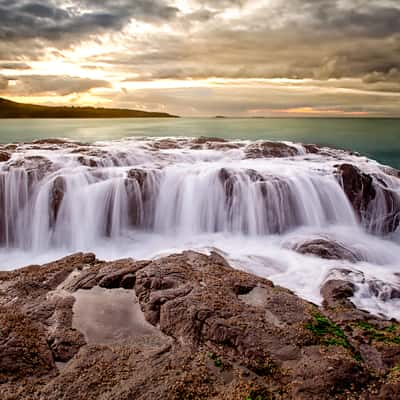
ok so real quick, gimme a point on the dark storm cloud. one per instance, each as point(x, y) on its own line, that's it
point(49, 20)
point(297, 39)
point(366, 19)
point(327, 44)
point(51, 85)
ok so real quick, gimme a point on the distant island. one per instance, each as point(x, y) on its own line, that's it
point(11, 109)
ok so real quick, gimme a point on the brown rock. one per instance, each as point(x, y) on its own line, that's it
point(270, 150)
point(217, 333)
point(23, 347)
point(358, 187)
point(327, 249)
point(4, 156)
point(57, 196)
point(336, 292)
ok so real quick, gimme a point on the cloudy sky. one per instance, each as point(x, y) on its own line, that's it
point(205, 57)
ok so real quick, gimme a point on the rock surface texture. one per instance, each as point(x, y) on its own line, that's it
point(207, 331)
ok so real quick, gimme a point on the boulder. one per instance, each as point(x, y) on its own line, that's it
point(376, 204)
point(4, 156)
point(336, 292)
point(57, 196)
point(328, 249)
point(358, 187)
point(270, 150)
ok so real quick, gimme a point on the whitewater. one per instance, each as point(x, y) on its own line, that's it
point(254, 202)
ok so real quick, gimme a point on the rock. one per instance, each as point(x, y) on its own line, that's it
point(270, 149)
point(336, 292)
point(107, 275)
point(207, 139)
point(165, 144)
point(23, 347)
point(327, 249)
point(358, 187)
point(376, 205)
point(312, 148)
point(128, 281)
point(57, 196)
point(211, 332)
point(88, 161)
point(64, 340)
point(214, 143)
point(142, 190)
point(53, 141)
point(324, 375)
point(4, 156)
point(139, 175)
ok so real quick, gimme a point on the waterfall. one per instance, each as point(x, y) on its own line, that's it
point(66, 199)
point(78, 207)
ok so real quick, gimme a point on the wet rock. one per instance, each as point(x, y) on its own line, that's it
point(88, 161)
point(110, 316)
point(53, 141)
point(358, 187)
point(165, 144)
point(387, 219)
point(139, 175)
point(57, 196)
point(390, 171)
point(312, 148)
point(383, 290)
point(4, 156)
point(376, 204)
point(208, 139)
point(327, 249)
point(270, 150)
point(231, 179)
point(337, 292)
point(214, 143)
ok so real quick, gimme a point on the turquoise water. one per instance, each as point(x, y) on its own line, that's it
point(375, 138)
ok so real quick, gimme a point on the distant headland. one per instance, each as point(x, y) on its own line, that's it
point(11, 109)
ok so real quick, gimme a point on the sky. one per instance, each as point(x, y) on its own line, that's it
point(205, 57)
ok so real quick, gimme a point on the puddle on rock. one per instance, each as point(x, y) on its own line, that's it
point(109, 316)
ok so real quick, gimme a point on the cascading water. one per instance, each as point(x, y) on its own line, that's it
point(251, 201)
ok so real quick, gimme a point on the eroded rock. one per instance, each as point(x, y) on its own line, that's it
point(23, 347)
point(270, 149)
point(210, 332)
point(328, 249)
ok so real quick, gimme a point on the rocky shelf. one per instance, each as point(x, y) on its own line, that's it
point(186, 326)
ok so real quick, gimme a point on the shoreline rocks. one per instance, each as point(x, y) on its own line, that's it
point(213, 333)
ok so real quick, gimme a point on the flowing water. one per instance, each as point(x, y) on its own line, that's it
point(254, 202)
